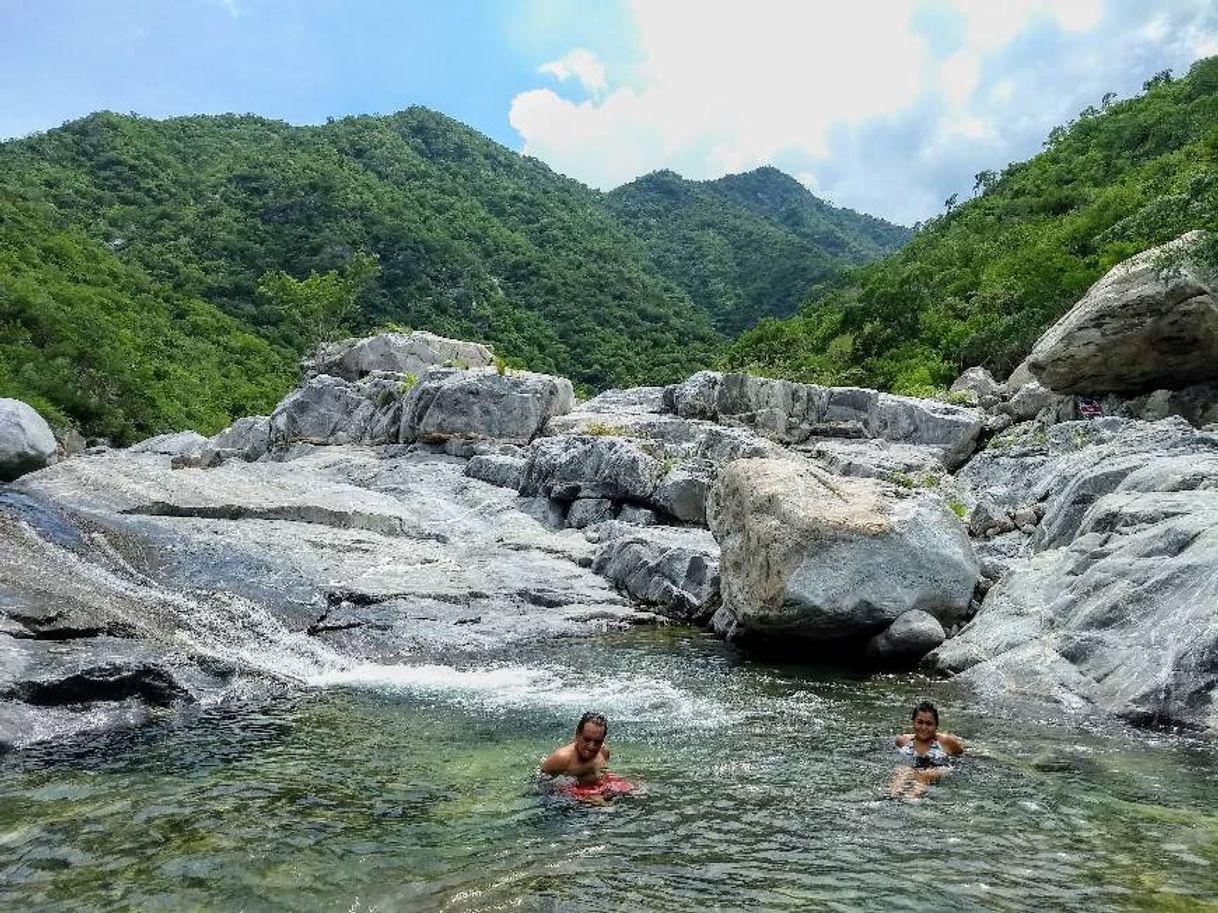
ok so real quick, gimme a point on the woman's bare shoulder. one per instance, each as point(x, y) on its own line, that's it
point(951, 742)
point(904, 739)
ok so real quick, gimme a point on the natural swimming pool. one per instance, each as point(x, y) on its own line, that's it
point(414, 788)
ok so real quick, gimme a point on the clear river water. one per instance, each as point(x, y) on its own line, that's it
point(763, 787)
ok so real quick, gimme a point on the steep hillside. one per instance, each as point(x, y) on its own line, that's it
point(473, 240)
point(748, 245)
point(979, 284)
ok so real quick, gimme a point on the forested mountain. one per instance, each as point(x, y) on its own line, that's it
point(132, 250)
point(747, 245)
point(131, 254)
point(979, 284)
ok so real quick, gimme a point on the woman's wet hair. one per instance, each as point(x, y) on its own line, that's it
point(596, 719)
point(925, 707)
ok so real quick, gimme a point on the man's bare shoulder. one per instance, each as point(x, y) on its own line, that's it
point(559, 761)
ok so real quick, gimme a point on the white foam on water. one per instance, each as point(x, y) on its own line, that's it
point(628, 698)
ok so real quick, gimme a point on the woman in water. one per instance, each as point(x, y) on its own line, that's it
point(927, 751)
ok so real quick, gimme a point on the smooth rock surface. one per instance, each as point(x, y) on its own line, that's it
point(911, 636)
point(265, 572)
point(1137, 329)
point(398, 353)
point(26, 440)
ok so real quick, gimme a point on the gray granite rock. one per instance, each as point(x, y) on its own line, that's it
point(681, 492)
point(483, 404)
point(26, 440)
point(633, 401)
point(911, 636)
point(567, 468)
point(589, 511)
point(792, 413)
point(1151, 322)
point(674, 570)
point(176, 444)
point(397, 353)
point(978, 381)
point(498, 469)
point(805, 555)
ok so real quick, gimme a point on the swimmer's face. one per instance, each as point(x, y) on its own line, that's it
point(589, 741)
point(925, 726)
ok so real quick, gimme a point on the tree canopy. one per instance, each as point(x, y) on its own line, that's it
point(979, 284)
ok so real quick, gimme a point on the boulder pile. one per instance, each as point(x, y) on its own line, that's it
point(1053, 534)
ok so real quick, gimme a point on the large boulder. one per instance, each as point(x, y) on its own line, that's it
point(26, 440)
point(398, 353)
point(483, 405)
point(330, 410)
point(566, 468)
point(977, 381)
point(805, 555)
point(1151, 322)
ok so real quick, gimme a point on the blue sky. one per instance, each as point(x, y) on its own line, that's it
point(887, 106)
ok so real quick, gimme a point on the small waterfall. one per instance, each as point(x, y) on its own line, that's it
point(87, 574)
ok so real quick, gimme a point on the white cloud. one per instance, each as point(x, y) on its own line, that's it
point(581, 64)
point(231, 6)
point(892, 105)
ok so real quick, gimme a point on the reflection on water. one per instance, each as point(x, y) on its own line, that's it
point(414, 789)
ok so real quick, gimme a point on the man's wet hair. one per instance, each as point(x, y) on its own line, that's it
point(596, 719)
point(925, 707)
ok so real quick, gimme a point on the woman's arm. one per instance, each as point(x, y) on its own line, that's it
point(904, 739)
point(951, 743)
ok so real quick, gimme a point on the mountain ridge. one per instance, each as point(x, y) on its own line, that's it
point(473, 239)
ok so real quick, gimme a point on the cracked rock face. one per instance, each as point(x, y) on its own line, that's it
point(1111, 604)
point(483, 405)
point(810, 556)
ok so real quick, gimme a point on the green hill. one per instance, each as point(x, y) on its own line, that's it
point(979, 284)
point(132, 251)
point(748, 245)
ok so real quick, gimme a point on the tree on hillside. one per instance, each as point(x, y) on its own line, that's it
point(322, 304)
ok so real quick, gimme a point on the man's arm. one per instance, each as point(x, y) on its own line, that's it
point(556, 763)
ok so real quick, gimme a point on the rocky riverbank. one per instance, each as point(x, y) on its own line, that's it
point(412, 501)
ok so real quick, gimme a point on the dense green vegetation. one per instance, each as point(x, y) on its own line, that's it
point(142, 262)
point(978, 284)
point(748, 245)
point(91, 341)
point(156, 275)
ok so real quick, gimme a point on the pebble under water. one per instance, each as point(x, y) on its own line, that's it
point(764, 787)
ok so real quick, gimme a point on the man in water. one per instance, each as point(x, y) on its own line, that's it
point(586, 757)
